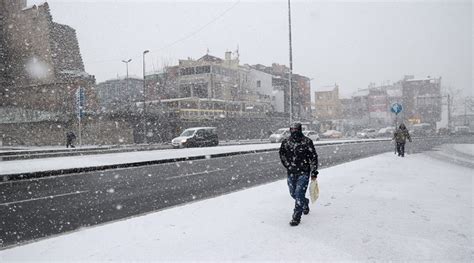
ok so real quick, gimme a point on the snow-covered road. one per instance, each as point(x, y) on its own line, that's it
point(380, 208)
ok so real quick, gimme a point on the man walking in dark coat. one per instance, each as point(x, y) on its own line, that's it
point(299, 157)
point(400, 136)
point(70, 138)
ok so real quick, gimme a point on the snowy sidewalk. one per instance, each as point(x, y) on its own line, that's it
point(379, 208)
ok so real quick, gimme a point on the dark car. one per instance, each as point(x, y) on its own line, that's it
point(196, 137)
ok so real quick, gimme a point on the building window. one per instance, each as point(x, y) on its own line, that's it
point(203, 69)
point(259, 83)
point(200, 90)
point(185, 91)
point(187, 71)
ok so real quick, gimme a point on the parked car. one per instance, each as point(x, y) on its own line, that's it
point(386, 132)
point(444, 131)
point(332, 134)
point(196, 137)
point(461, 130)
point(422, 129)
point(312, 135)
point(280, 135)
point(367, 133)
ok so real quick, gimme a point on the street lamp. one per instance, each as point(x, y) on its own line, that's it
point(144, 99)
point(126, 80)
point(291, 62)
point(126, 63)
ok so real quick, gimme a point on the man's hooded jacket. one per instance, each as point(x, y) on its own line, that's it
point(298, 155)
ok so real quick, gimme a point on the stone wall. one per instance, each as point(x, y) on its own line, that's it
point(28, 56)
point(65, 49)
point(95, 131)
point(55, 97)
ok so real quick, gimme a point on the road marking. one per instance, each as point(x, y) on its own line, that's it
point(275, 161)
point(45, 197)
point(187, 175)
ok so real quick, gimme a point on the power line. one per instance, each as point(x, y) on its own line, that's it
point(180, 39)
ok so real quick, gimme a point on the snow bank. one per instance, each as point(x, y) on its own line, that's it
point(464, 148)
point(380, 208)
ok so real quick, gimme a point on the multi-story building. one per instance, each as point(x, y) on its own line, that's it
point(261, 83)
point(210, 77)
point(422, 100)
point(301, 90)
point(302, 97)
point(119, 94)
point(163, 85)
point(378, 105)
point(356, 109)
point(244, 101)
point(211, 87)
point(327, 103)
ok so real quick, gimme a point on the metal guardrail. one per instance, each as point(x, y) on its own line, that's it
point(51, 153)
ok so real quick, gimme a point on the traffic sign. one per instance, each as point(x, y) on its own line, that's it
point(396, 108)
point(80, 102)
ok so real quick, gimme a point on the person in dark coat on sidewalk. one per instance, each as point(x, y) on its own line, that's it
point(298, 155)
point(400, 136)
point(70, 138)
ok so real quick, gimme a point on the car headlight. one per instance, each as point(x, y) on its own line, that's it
point(183, 140)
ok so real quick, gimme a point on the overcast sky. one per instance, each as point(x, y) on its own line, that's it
point(350, 43)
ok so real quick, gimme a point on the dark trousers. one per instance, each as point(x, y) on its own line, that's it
point(297, 185)
point(401, 149)
point(70, 143)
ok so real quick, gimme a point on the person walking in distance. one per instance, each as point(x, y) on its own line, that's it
point(70, 138)
point(400, 136)
point(299, 157)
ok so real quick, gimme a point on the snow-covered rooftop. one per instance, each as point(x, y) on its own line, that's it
point(361, 93)
point(394, 92)
point(325, 88)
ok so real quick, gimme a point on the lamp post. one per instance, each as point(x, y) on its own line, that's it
point(144, 99)
point(126, 63)
point(126, 80)
point(291, 62)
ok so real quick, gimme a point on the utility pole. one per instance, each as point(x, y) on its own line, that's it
point(126, 80)
point(465, 111)
point(144, 99)
point(291, 63)
point(449, 112)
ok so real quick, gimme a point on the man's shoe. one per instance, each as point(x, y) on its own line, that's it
point(294, 222)
point(306, 210)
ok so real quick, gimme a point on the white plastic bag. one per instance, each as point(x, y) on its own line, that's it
point(314, 190)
